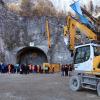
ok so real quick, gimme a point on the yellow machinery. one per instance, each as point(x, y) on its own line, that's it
point(72, 24)
point(48, 33)
point(86, 73)
point(52, 67)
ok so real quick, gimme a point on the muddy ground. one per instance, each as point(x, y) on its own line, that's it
point(40, 87)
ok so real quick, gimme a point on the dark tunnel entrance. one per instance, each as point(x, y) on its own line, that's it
point(31, 55)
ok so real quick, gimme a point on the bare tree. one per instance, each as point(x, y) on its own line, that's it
point(13, 7)
point(26, 8)
point(91, 7)
point(97, 9)
point(44, 8)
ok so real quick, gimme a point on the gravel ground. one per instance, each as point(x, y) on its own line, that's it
point(40, 87)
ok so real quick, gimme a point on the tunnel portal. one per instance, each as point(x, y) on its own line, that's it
point(31, 55)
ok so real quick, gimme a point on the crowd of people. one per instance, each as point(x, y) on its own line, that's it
point(65, 69)
point(26, 69)
point(22, 68)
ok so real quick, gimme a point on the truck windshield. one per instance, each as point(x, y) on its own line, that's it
point(82, 54)
point(96, 50)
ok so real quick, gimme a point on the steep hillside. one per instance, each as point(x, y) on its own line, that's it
point(17, 32)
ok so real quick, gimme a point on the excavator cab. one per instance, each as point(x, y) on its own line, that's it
point(87, 58)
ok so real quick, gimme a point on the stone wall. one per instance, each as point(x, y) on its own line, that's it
point(17, 32)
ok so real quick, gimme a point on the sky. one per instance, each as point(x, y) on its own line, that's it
point(64, 4)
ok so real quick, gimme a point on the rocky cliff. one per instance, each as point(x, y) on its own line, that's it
point(17, 33)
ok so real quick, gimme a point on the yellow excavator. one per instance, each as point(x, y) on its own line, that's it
point(86, 73)
point(47, 29)
point(53, 67)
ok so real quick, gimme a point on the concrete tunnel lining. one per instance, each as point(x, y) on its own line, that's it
point(31, 55)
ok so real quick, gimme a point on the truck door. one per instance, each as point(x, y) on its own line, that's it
point(82, 59)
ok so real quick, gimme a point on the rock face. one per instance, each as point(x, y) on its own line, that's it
point(17, 33)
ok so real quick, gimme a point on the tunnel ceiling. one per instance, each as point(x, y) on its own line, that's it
point(31, 55)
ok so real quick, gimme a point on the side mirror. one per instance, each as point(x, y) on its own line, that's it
point(72, 53)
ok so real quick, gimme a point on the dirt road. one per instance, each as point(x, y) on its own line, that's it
point(40, 87)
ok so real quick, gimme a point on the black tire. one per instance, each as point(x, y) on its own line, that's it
point(98, 89)
point(75, 83)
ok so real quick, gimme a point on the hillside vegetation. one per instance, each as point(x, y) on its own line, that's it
point(31, 8)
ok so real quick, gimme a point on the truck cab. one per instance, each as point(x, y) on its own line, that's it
point(87, 58)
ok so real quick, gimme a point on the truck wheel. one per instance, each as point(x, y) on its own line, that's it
point(98, 89)
point(75, 83)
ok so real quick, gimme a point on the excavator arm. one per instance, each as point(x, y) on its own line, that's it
point(70, 29)
point(48, 33)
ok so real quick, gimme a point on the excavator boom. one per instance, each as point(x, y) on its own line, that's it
point(70, 29)
point(48, 33)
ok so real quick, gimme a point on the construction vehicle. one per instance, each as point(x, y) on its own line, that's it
point(53, 68)
point(86, 73)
